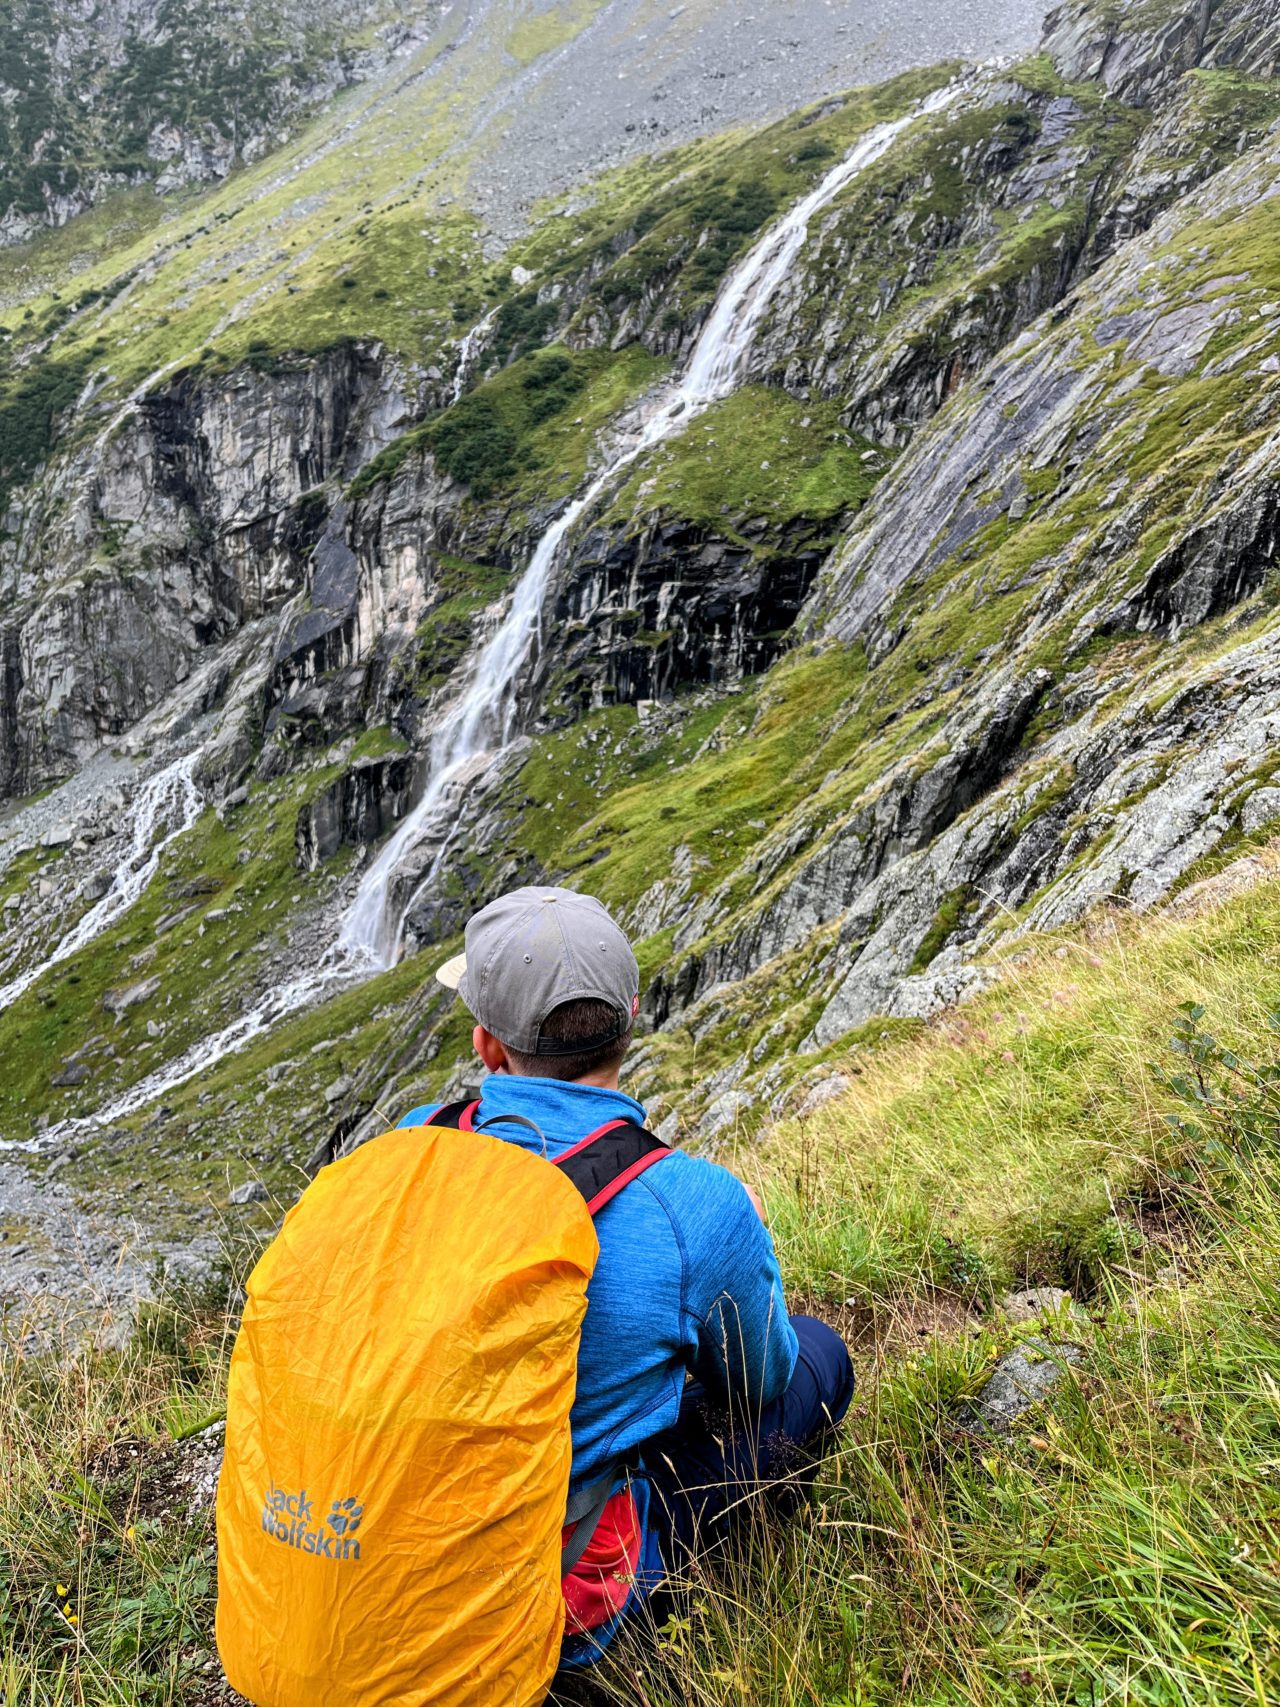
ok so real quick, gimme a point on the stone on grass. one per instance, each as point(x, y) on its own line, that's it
point(60, 836)
point(725, 1110)
point(338, 1089)
point(251, 1191)
point(1022, 1378)
point(75, 1073)
point(118, 1002)
point(825, 1091)
point(169, 920)
point(198, 1466)
point(668, 1129)
point(1038, 1301)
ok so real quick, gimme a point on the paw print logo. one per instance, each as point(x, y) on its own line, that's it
point(345, 1517)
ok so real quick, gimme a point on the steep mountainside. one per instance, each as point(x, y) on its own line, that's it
point(95, 96)
point(845, 545)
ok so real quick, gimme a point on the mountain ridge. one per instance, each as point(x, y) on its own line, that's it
point(834, 736)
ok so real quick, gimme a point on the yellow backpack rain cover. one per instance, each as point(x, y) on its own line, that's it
point(397, 1451)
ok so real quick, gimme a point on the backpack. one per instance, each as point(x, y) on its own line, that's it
point(396, 1479)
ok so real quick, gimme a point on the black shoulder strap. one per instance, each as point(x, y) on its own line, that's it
point(601, 1166)
point(607, 1161)
point(452, 1113)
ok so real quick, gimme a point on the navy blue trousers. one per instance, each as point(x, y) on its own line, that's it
point(707, 1470)
point(704, 1469)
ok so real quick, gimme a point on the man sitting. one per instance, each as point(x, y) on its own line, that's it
point(689, 1366)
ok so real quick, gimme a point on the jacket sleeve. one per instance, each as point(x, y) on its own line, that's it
point(746, 1348)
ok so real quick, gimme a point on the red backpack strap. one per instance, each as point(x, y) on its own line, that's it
point(458, 1114)
point(607, 1161)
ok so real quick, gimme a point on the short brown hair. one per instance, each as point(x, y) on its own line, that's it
point(574, 1022)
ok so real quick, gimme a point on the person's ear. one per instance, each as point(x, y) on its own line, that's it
point(490, 1050)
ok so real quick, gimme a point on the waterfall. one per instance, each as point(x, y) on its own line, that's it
point(170, 802)
point(485, 717)
point(469, 352)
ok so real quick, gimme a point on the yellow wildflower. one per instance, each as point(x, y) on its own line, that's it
point(62, 1592)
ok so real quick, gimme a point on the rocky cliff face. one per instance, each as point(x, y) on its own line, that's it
point(186, 518)
point(953, 624)
point(1103, 504)
point(960, 241)
point(96, 97)
point(1141, 57)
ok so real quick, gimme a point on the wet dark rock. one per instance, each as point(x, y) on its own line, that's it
point(1216, 564)
point(359, 808)
point(647, 612)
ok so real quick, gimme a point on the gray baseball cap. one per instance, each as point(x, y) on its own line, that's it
point(532, 950)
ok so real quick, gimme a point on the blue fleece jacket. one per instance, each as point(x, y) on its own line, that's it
point(687, 1281)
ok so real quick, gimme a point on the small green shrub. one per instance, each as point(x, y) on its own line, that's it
point(474, 445)
point(30, 404)
point(1229, 1107)
point(522, 321)
point(742, 213)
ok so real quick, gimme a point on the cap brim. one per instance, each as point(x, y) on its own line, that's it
point(452, 972)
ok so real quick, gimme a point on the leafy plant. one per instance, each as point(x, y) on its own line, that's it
point(1232, 1103)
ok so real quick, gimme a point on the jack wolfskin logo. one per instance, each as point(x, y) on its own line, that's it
point(287, 1518)
point(345, 1517)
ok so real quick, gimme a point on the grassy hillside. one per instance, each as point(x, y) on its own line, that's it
point(1079, 1124)
point(1103, 1117)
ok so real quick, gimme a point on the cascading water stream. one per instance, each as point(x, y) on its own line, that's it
point(168, 801)
point(469, 352)
point(484, 717)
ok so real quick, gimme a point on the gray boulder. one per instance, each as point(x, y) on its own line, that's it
point(1021, 1380)
point(251, 1191)
point(75, 1073)
point(118, 1002)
